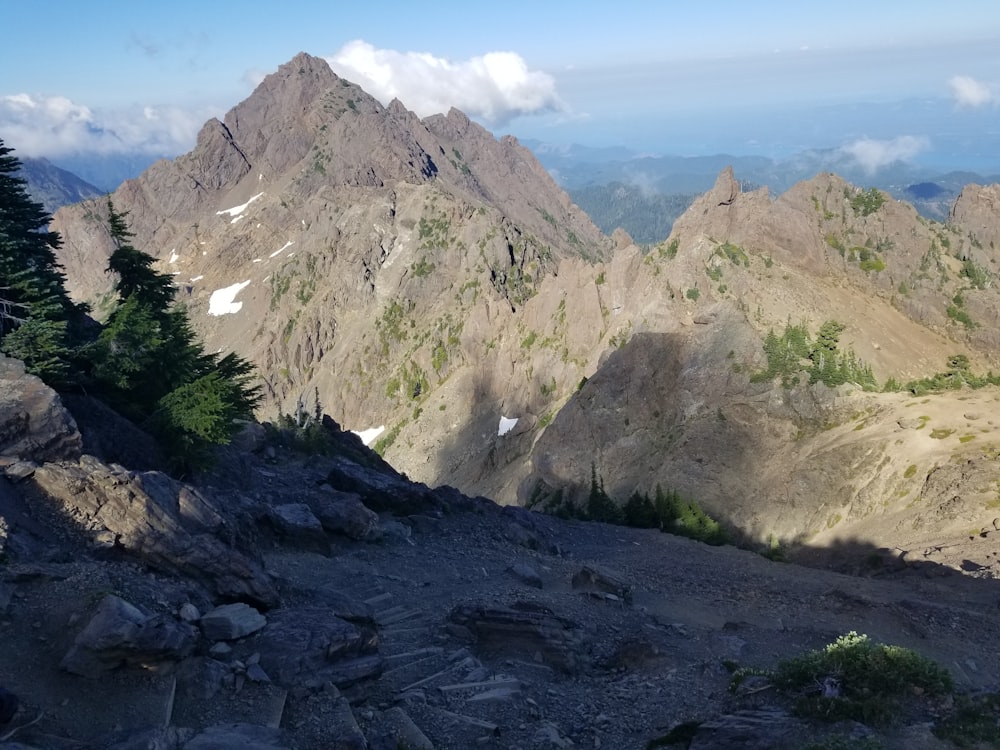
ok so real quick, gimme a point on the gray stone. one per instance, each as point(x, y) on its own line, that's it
point(120, 633)
point(344, 513)
point(256, 674)
point(593, 579)
point(18, 471)
point(34, 424)
point(296, 525)
point(526, 574)
point(549, 736)
point(189, 613)
point(396, 531)
point(231, 621)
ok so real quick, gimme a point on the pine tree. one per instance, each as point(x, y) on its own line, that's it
point(36, 313)
point(154, 370)
point(600, 507)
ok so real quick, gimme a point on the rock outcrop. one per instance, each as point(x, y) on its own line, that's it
point(34, 425)
point(168, 525)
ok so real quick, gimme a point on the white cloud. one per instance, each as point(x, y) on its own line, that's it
point(968, 92)
point(872, 154)
point(54, 126)
point(495, 87)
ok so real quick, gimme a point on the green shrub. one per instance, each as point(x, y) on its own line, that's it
point(693, 294)
point(855, 678)
point(958, 314)
point(872, 264)
point(867, 202)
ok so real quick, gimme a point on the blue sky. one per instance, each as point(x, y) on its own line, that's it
point(918, 80)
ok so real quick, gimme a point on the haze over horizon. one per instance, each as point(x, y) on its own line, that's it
point(877, 82)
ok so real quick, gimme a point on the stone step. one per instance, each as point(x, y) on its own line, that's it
point(409, 656)
point(466, 663)
point(378, 599)
point(417, 666)
point(489, 684)
point(397, 615)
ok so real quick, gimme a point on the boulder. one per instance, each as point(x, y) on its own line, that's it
point(379, 489)
point(170, 525)
point(297, 526)
point(603, 583)
point(120, 633)
point(528, 633)
point(344, 513)
point(34, 424)
point(231, 621)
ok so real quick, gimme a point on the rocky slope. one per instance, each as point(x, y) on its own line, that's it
point(422, 277)
point(272, 607)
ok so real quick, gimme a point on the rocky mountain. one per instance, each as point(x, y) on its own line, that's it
point(54, 187)
point(297, 601)
point(434, 289)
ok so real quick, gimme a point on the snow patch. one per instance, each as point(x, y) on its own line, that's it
point(235, 211)
point(197, 278)
point(282, 249)
point(173, 256)
point(256, 260)
point(506, 425)
point(368, 436)
point(222, 301)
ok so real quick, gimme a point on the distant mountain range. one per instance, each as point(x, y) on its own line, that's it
point(644, 194)
point(54, 187)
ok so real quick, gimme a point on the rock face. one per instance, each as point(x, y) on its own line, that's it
point(976, 210)
point(34, 425)
point(340, 213)
point(167, 524)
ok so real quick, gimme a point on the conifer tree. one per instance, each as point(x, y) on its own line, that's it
point(35, 312)
point(153, 368)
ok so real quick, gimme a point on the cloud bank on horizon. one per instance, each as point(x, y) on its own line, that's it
point(54, 126)
point(968, 92)
point(871, 154)
point(494, 88)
